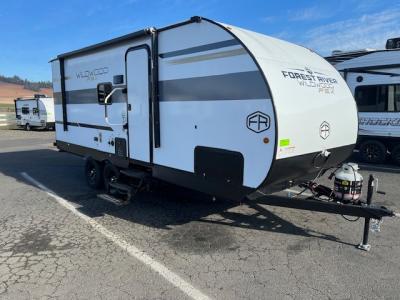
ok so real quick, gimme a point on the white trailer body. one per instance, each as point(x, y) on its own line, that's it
point(374, 79)
point(205, 105)
point(35, 112)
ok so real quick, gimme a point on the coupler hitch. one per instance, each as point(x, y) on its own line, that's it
point(336, 201)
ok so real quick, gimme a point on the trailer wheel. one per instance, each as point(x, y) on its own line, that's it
point(395, 154)
point(373, 152)
point(93, 173)
point(28, 127)
point(110, 174)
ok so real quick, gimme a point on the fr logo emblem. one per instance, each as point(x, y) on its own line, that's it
point(258, 122)
point(324, 130)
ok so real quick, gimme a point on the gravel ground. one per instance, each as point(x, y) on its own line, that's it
point(225, 250)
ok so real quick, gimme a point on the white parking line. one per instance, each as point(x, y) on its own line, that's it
point(156, 266)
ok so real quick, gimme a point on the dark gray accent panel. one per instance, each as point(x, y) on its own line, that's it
point(57, 98)
point(118, 161)
point(219, 165)
point(63, 97)
point(302, 168)
point(201, 48)
point(233, 86)
point(195, 182)
point(86, 96)
point(100, 127)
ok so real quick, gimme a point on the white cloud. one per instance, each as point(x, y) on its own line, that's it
point(366, 31)
point(309, 14)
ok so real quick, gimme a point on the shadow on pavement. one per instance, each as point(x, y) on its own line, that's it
point(63, 174)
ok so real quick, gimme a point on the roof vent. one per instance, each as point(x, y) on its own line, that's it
point(393, 43)
point(356, 51)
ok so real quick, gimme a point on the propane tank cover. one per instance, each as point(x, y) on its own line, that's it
point(348, 182)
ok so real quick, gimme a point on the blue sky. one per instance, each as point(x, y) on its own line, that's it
point(33, 32)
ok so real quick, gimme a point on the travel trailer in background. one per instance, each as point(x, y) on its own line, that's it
point(36, 112)
point(374, 79)
point(204, 105)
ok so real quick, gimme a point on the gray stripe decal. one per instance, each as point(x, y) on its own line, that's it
point(233, 86)
point(86, 96)
point(210, 56)
point(86, 125)
point(201, 48)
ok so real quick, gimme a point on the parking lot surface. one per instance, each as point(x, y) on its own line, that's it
point(221, 249)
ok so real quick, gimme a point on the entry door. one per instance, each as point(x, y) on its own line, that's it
point(137, 76)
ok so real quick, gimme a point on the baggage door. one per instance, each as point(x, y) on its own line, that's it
point(139, 112)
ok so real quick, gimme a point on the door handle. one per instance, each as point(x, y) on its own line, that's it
point(129, 107)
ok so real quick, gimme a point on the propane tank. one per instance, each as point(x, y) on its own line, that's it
point(348, 182)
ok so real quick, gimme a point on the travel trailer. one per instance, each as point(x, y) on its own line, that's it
point(203, 105)
point(374, 78)
point(36, 112)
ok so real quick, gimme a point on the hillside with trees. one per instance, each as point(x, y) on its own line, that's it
point(15, 87)
point(29, 85)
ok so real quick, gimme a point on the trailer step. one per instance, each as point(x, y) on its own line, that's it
point(112, 199)
point(134, 173)
point(121, 187)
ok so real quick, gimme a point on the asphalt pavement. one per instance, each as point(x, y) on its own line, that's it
point(58, 240)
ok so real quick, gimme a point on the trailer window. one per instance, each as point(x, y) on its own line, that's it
point(103, 90)
point(397, 97)
point(25, 110)
point(378, 98)
point(35, 111)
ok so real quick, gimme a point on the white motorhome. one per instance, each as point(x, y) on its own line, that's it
point(203, 105)
point(36, 112)
point(374, 78)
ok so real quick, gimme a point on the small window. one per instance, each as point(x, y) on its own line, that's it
point(397, 97)
point(25, 110)
point(35, 111)
point(378, 98)
point(103, 90)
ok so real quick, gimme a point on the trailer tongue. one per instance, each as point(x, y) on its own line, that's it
point(327, 200)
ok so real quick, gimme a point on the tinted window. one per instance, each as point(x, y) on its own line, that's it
point(103, 90)
point(396, 97)
point(25, 110)
point(378, 98)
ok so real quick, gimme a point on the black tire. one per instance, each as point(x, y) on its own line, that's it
point(373, 152)
point(110, 174)
point(94, 173)
point(27, 127)
point(395, 154)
